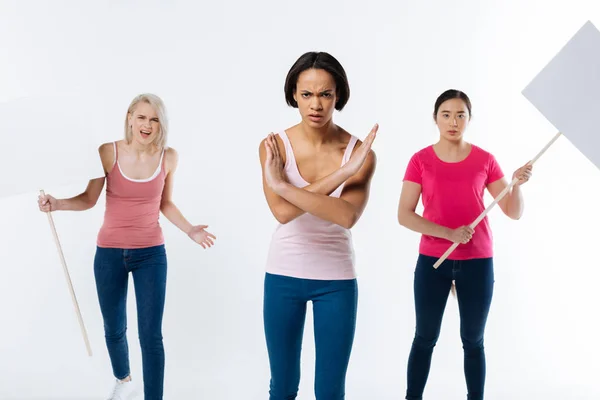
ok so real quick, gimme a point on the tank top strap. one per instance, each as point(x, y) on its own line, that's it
point(162, 159)
point(289, 152)
point(349, 149)
point(116, 152)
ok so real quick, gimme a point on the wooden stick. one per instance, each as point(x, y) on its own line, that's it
point(70, 284)
point(496, 200)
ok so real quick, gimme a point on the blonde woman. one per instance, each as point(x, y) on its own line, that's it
point(139, 183)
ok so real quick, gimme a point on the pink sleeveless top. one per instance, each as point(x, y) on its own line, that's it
point(309, 247)
point(132, 209)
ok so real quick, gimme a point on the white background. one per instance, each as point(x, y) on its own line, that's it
point(220, 68)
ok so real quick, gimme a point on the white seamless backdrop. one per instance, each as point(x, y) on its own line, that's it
point(220, 68)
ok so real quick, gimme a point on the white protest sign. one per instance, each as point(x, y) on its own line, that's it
point(567, 91)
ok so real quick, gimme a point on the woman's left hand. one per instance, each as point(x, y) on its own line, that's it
point(202, 237)
point(523, 173)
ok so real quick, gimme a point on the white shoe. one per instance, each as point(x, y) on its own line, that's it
point(123, 391)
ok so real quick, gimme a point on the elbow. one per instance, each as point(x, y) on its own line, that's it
point(164, 206)
point(513, 214)
point(516, 216)
point(350, 220)
point(90, 201)
point(282, 217)
point(282, 220)
point(402, 217)
point(512, 207)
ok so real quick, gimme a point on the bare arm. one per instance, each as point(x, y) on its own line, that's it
point(167, 207)
point(83, 201)
point(407, 217)
point(295, 201)
point(282, 209)
point(345, 210)
point(512, 203)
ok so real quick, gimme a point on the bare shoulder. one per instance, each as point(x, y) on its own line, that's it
point(372, 157)
point(171, 153)
point(171, 159)
point(370, 163)
point(107, 155)
point(106, 148)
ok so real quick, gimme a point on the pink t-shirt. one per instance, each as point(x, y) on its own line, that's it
point(452, 196)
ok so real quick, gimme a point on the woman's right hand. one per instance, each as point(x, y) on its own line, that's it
point(47, 203)
point(462, 234)
point(360, 155)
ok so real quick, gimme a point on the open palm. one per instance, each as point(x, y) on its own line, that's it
point(202, 237)
point(360, 155)
point(274, 174)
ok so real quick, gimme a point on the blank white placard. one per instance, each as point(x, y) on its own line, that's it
point(42, 133)
point(567, 91)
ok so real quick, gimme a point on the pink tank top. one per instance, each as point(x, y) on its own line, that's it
point(309, 247)
point(132, 209)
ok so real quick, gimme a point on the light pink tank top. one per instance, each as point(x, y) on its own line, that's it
point(132, 209)
point(309, 247)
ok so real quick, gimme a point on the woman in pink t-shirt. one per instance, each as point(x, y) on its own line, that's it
point(451, 177)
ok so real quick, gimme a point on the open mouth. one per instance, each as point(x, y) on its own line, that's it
point(145, 133)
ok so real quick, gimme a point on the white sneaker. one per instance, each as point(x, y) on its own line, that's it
point(123, 391)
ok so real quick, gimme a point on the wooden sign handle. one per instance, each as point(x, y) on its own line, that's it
point(496, 200)
point(70, 284)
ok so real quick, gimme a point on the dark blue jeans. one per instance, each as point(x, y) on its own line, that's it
point(474, 288)
point(149, 269)
point(334, 314)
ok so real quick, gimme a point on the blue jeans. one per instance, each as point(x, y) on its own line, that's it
point(149, 269)
point(474, 288)
point(334, 315)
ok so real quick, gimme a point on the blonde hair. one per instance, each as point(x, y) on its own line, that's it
point(159, 108)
